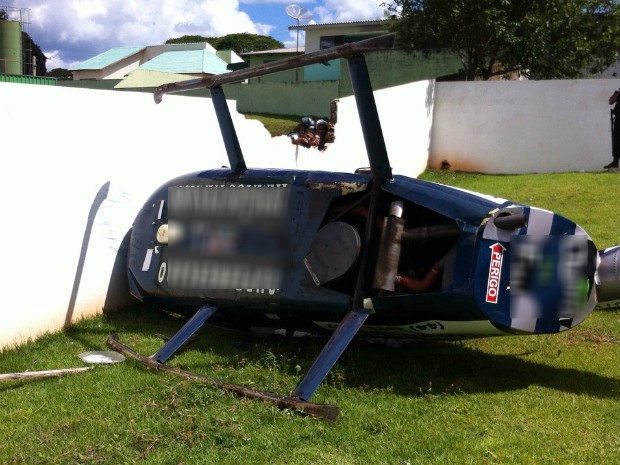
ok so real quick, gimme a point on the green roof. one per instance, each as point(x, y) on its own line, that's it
point(187, 61)
point(114, 55)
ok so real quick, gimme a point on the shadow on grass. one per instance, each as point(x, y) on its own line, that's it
point(453, 368)
point(411, 370)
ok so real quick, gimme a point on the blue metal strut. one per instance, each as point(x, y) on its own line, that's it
point(334, 348)
point(181, 336)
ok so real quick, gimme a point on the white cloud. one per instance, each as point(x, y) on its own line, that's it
point(71, 31)
point(135, 22)
point(348, 10)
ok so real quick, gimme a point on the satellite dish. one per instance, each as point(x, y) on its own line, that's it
point(298, 13)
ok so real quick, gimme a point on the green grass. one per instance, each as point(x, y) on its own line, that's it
point(589, 199)
point(277, 125)
point(513, 400)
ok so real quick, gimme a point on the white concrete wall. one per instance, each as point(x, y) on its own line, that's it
point(78, 165)
point(522, 126)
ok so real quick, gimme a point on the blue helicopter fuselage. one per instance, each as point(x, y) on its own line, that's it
point(295, 269)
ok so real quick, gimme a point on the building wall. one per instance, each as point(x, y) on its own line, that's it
point(523, 126)
point(290, 98)
point(291, 75)
point(312, 40)
point(118, 70)
point(122, 68)
point(66, 255)
point(394, 68)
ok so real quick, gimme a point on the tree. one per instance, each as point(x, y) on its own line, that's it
point(190, 40)
point(31, 49)
point(242, 43)
point(61, 74)
point(542, 39)
point(239, 43)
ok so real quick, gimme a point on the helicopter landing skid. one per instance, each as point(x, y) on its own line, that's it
point(182, 335)
point(324, 411)
point(334, 348)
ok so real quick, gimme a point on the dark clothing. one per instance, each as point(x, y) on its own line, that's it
point(615, 132)
point(615, 129)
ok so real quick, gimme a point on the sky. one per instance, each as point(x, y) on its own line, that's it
point(71, 31)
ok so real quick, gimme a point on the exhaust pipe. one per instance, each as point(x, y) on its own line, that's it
point(608, 278)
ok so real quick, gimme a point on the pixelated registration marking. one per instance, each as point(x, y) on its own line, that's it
point(548, 276)
point(227, 236)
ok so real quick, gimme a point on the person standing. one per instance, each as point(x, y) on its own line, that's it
point(615, 129)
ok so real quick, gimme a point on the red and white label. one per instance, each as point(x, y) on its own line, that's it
point(495, 272)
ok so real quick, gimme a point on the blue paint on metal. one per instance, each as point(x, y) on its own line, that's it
point(181, 337)
point(332, 351)
point(452, 203)
point(227, 128)
point(369, 118)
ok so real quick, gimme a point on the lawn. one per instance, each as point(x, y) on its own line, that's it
point(512, 400)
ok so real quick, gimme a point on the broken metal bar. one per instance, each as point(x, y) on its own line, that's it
point(42, 374)
point(384, 42)
point(324, 411)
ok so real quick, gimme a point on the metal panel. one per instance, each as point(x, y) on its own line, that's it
point(10, 47)
point(38, 80)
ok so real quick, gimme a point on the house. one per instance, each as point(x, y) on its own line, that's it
point(324, 35)
point(389, 68)
point(309, 90)
point(267, 56)
point(153, 65)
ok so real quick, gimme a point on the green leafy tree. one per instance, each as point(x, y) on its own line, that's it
point(242, 43)
point(541, 39)
point(61, 74)
point(239, 43)
point(31, 49)
point(190, 39)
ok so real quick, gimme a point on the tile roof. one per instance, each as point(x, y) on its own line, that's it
point(368, 22)
point(186, 61)
point(277, 51)
point(107, 58)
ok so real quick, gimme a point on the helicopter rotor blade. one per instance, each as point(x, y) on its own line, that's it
point(384, 42)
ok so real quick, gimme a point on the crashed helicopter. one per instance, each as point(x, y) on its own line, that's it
point(348, 255)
